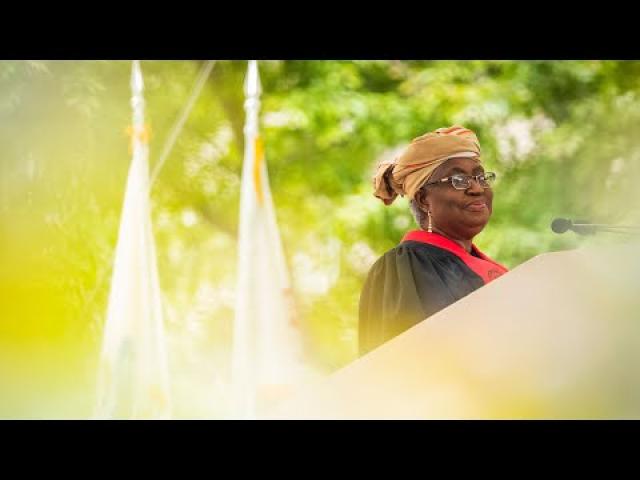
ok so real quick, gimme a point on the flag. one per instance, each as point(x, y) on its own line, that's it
point(133, 380)
point(267, 345)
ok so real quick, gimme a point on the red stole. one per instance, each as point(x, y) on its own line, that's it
point(484, 267)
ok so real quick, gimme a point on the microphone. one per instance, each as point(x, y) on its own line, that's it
point(582, 227)
point(560, 225)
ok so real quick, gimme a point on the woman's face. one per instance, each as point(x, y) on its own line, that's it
point(460, 214)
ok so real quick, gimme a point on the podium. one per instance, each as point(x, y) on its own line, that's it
point(558, 337)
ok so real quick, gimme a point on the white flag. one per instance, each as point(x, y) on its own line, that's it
point(267, 348)
point(133, 378)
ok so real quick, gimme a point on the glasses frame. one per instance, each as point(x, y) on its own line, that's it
point(491, 175)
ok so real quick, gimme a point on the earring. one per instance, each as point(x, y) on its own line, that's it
point(430, 224)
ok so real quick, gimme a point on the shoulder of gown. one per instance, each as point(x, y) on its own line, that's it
point(406, 285)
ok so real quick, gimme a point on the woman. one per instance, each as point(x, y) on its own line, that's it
point(450, 196)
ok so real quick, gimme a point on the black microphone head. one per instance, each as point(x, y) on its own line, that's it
point(561, 225)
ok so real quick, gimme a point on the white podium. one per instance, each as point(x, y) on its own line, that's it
point(556, 338)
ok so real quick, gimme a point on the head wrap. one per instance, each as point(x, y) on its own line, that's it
point(405, 174)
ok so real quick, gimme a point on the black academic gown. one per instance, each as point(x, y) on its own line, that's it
point(414, 280)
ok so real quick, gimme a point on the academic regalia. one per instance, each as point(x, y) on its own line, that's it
point(425, 273)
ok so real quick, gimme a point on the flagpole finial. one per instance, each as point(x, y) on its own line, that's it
point(252, 87)
point(137, 85)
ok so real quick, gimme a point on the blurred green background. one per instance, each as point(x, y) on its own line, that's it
point(561, 136)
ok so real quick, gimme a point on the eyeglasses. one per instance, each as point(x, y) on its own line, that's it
point(462, 182)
